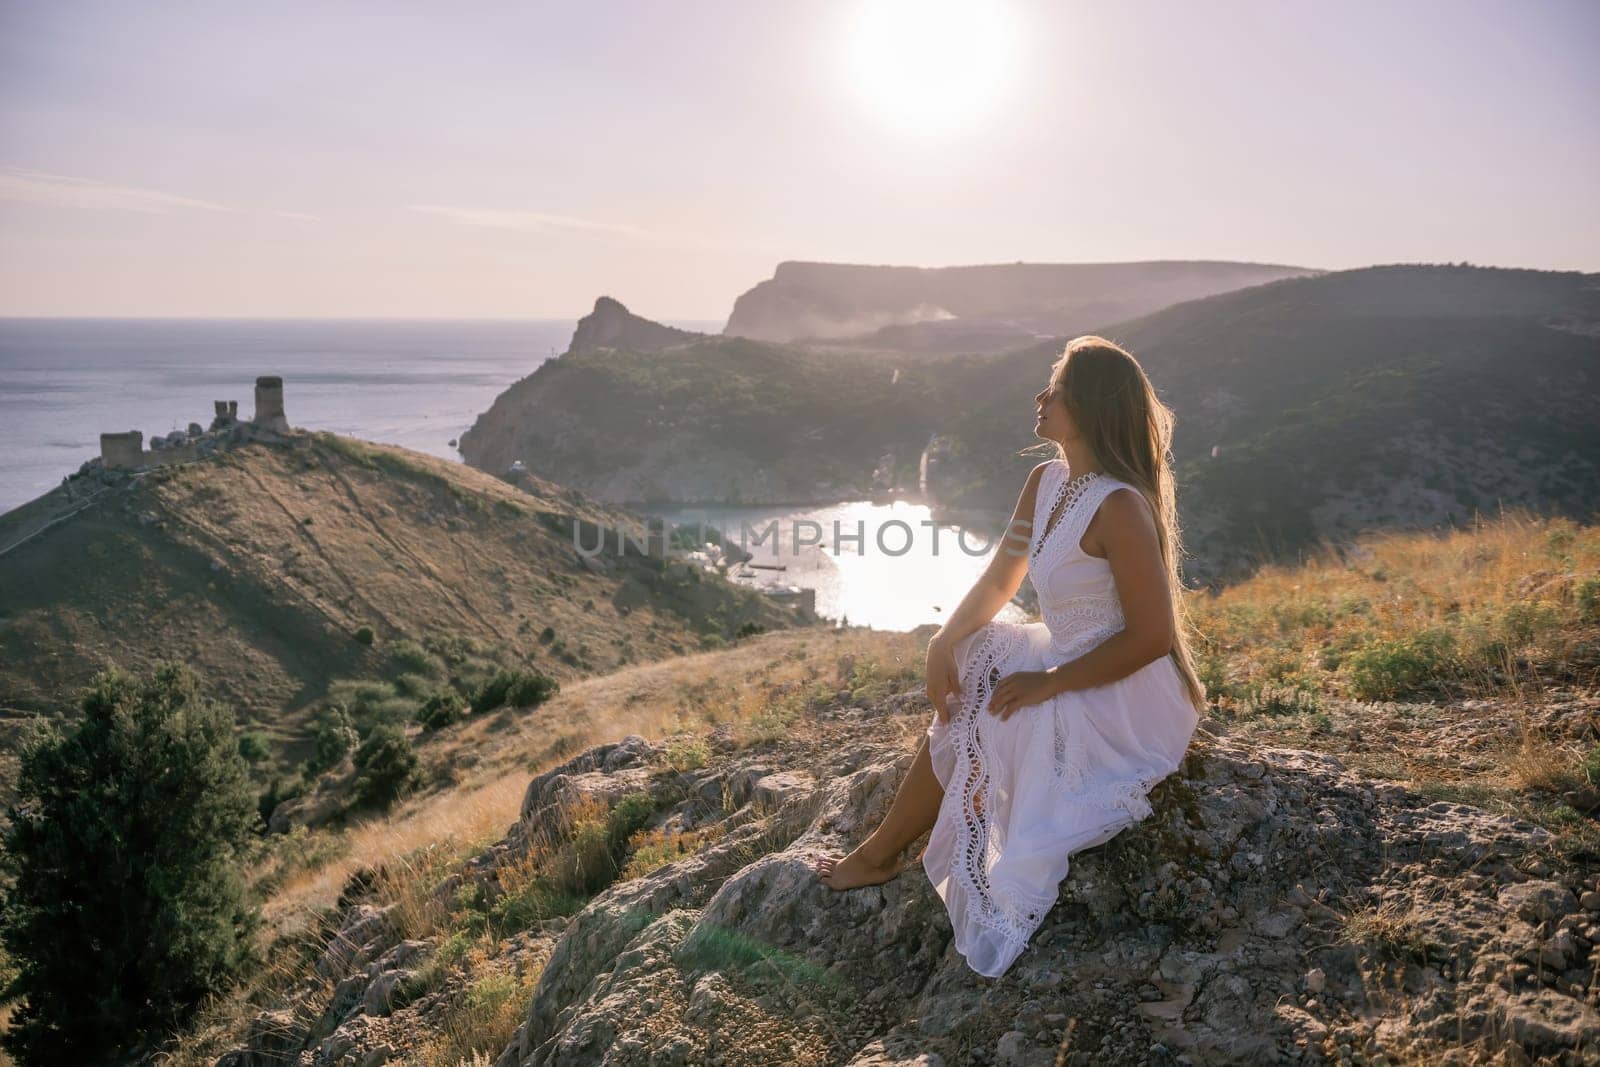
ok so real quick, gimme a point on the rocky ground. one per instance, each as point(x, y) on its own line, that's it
point(1279, 906)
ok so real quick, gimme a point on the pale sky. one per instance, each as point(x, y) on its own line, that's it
point(520, 159)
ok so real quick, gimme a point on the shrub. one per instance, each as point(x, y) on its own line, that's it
point(414, 685)
point(253, 746)
point(441, 710)
point(126, 904)
point(1275, 699)
point(1587, 596)
point(520, 689)
point(1387, 670)
point(386, 767)
point(364, 635)
point(412, 658)
point(749, 629)
point(686, 753)
point(335, 737)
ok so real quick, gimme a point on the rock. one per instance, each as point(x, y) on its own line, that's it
point(273, 1038)
point(1194, 929)
point(1538, 901)
point(384, 992)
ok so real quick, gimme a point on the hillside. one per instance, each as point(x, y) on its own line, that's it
point(1382, 848)
point(719, 420)
point(1308, 409)
point(1317, 408)
point(276, 571)
point(611, 325)
point(1004, 303)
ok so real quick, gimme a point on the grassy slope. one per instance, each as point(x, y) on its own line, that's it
point(1500, 712)
point(1387, 397)
point(259, 568)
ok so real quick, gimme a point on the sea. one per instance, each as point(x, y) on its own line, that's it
point(420, 383)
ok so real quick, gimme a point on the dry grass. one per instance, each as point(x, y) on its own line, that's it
point(1487, 611)
point(432, 835)
point(1546, 765)
point(479, 1023)
point(759, 688)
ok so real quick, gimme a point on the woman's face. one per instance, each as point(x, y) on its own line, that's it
point(1051, 420)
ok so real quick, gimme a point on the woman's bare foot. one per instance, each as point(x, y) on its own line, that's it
point(854, 870)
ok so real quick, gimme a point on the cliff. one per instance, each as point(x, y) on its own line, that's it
point(610, 325)
point(720, 420)
point(819, 301)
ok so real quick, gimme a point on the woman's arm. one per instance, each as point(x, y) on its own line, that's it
point(1125, 528)
point(1002, 577)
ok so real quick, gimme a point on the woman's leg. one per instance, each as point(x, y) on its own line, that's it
point(877, 859)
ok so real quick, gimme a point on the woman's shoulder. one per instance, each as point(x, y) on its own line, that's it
point(1037, 477)
point(1046, 469)
point(1129, 508)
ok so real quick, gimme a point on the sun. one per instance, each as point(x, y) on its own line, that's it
point(931, 66)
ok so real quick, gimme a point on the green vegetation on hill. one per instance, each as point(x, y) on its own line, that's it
point(1383, 398)
point(277, 571)
point(125, 903)
point(1309, 409)
point(718, 420)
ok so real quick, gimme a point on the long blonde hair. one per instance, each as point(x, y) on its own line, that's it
point(1129, 430)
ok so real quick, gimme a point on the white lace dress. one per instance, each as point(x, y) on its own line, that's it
point(1055, 778)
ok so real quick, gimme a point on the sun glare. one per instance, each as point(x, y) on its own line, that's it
point(931, 66)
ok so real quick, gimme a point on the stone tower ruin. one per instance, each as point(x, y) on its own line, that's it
point(269, 405)
point(122, 450)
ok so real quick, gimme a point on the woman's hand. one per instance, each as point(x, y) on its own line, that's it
point(1021, 690)
point(944, 679)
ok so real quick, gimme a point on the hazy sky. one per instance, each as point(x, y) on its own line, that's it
point(521, 159)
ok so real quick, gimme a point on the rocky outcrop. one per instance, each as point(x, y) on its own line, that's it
point(1275, 908)
point(1250, 920)
point(839, 300)
point(610, 325)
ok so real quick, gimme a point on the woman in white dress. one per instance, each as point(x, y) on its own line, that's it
point(1047, 737)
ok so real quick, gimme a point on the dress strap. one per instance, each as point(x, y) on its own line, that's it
point(1085, 507)
point(1045, 497)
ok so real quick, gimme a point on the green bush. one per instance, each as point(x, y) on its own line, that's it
point(125, 906)
point(412, 658)
point(1587, 596)
point(336, 735)
point(414, 685)
point(253, 746)
point(440, 710)
point(1419, 663)
point(386, 768)
point(364, 635)
point(519, 689)
point(1274, 699)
